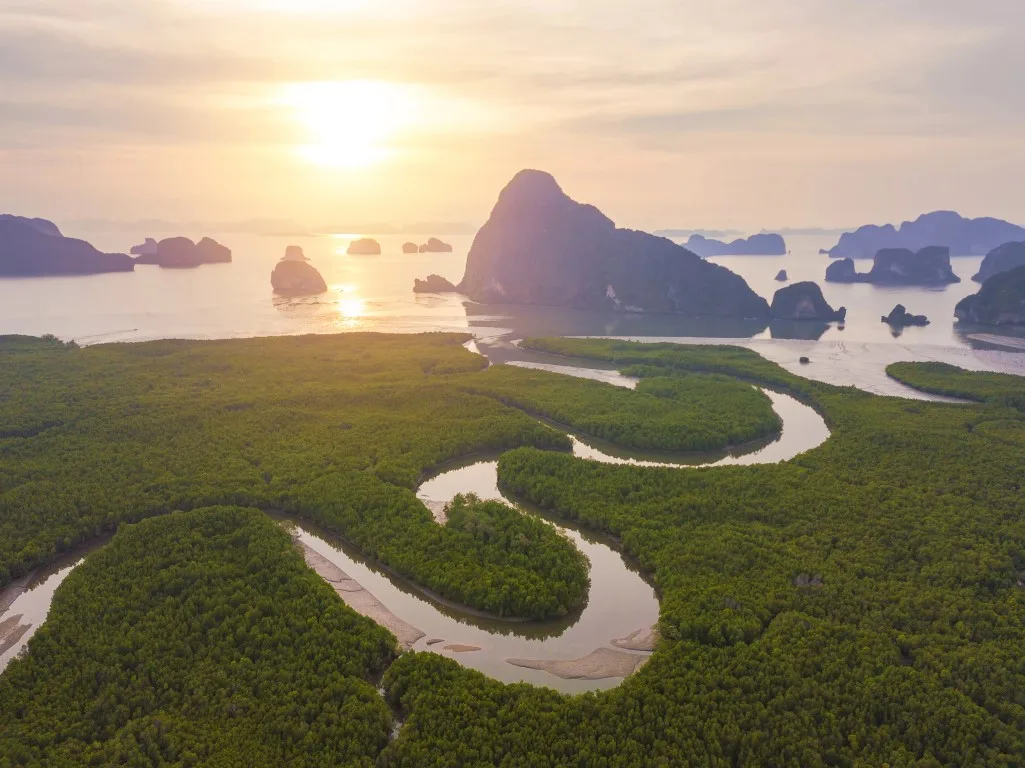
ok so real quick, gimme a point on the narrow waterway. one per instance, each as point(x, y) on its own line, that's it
point(25, 603)
point(591, 649)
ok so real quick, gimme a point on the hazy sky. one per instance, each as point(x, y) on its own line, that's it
point(719, 113)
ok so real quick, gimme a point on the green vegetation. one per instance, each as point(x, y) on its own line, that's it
point(334, 429)
point(949, 380)
point(516, 545)
point(194, 639)
point(858, 606)
point(698, 412)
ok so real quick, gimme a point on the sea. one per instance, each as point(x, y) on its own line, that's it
point(375, 294)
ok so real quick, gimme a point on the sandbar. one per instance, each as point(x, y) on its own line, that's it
point(599, 665)
point(361, 601)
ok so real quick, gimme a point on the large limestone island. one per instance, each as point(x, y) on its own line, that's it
point(899, 266)
point(964, 237)
point(804, 301)
point(37, 248)
point(182, 253)
point(1001, 301)
point(1003, 258)
point(756, 245)
point(541, 247)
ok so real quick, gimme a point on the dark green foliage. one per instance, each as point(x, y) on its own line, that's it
point(943, 379)
point(697, 412)
point(197, 639)
point(673, 359)
point(516, 545)
point(860, 605)
point(335, 429)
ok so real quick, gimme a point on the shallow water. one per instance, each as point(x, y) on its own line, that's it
point(375, 293)
point(617, 590)
point(619, 598)
point(34, 595)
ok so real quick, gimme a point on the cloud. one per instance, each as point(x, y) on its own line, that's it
point(550, 81)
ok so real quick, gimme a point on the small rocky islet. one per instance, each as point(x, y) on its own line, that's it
point(434, 284)
point(765, 244)
point(804, 301)
point(294, 276)
point(181, 253)
point(899, 266)
point(364, 246)
point(899, 317)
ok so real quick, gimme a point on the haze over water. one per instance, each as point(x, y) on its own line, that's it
point(374, 293)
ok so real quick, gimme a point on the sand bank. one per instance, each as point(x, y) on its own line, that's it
point(361, 601)
point(599, 665)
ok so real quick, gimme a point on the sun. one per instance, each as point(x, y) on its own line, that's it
point(350, 124)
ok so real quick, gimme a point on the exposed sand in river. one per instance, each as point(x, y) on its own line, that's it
point(361, 601)
point(641, 640)
point(11, 631)
point(12, 592)
point(599, 665)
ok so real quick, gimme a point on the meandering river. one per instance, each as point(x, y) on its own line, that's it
point(593, 648)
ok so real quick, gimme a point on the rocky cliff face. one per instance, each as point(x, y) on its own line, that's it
point(541, 247)
point(35, 247)
point(756, 245)
point(1003, 258)
point(804, 301)
point(964, 237)
point(899, 266)
point(1001, 301)
point(842, 271)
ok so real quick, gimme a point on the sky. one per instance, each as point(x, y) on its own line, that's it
point(729, 114)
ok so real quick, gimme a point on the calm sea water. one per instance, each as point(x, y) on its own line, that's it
point(375, 294)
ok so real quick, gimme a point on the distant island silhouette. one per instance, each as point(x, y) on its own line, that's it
point(756, 245)
point(182, 253)
point(1003, 258)
point(37, 248)
point(964, 237)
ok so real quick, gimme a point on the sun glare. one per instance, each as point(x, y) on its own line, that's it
point(351, 124)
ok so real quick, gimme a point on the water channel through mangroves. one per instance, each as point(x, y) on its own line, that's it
point(591, 649)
